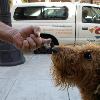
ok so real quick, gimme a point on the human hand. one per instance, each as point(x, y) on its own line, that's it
point(29, 39)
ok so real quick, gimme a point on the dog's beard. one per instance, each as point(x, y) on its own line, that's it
point(63, 70)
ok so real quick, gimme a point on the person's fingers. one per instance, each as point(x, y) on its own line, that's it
point(40, 41)
point(32, 44)
point(25, 46)
point(25, 32)
point(37, 40)
point(36, 31)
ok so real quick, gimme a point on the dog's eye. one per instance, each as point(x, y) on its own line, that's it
point(88, 56)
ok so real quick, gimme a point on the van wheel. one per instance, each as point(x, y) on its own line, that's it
point(47, 49)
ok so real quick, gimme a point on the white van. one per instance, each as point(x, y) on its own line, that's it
point(63, 22)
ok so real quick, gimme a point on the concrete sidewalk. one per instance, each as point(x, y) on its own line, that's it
point(32, 81)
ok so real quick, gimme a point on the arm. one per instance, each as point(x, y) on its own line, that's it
point(25, 39)
point(6, 32)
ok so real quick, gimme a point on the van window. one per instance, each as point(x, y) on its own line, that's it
point(27, 13)
point(55, 13)
point(90, 14)
point(41, 13)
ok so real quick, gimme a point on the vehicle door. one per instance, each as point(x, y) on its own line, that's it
point(90, 24)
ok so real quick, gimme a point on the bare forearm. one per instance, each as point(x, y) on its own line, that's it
point(6, 32)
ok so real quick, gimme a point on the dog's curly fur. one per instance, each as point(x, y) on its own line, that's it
point(78, 66)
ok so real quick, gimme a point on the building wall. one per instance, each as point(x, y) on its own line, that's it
point(86, 1)
point(36, 0)
point(58, 0)
point(96, 1)
point(49, 0)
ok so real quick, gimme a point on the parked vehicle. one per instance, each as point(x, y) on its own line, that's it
point(63, 22)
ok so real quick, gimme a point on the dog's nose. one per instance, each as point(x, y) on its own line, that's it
point(55, 49)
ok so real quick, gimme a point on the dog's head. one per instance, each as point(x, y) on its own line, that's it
point(73, 65)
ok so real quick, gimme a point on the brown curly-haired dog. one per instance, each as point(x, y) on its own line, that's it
point(78, 66)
